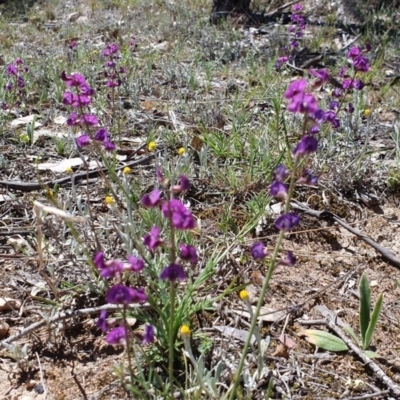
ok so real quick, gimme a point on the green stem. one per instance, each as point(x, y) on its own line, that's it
point(126, 326)
point(171, 337)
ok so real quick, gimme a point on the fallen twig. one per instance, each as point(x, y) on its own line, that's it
point(386, 253)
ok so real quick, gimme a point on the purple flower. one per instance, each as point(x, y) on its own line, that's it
point(67, 98)
point(148, 336)
point(278, 190)
point(297, 8)
point(258, 251)
point(73, 119)
point(183, 186)
point(160, 176)
point(152, 239)
point(98, 260)
point(360, 63)
point(9, 86)
point(289, 260)
point(137, 264)
point(20, 82)
point(287, 222)
point(330, 116)
point(342, 72)
point(321, 74)
point(313, 130)
point(295, 88)
point(319, 116)
point(303, 103)
point(334, 104)
point(347, 83)
point(108, 145)
point(89, 119)
point(12, 69)
point(116, 335)
point(350, 108)
point(83, 140)
point(179, 215)
point(86, 90)
point(354, 52)
point(281, 173)
point(110, 49)
point(188, 253)
point(308, 178)
point(102, 321)
point(358, 84)
point(121, 294)
point(111, 269)
point(152, 199)
point(18, 61)
point(307, 145)
point(368, 47)
point(337, 92)
point(74, 79)
point(101, 135)
point(172, 273)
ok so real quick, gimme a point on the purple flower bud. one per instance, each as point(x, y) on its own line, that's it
point(321, 74)
point(8, 87)
point(18, 61)
point(289, 260)
point(11, 69)
point(342, 72)
point(278, 190)
point(67, 98)
point(116, 335)
point(102, 321)
point(258, 251)
point(308, 178)
point(83, 140)
point(334, 104)
point(152, 239)
point(358, 84)
point(73, 119)
point(188, 253)
point(303, 103)
point(313, 130)
point(287, 222)
point(148, 336)
point(98, 260)
point(152, 199)
point(178, 214)
point(172, 273)
point(281, 173)
point(353, 52)
point(368, 47)
point(346, 84)
point(109, 146)
point(330, 116)
point(111, 269)
point(121, 294)
point(101, 135)
point(136, 264)
point(307, 145)
point(350, 108)
point(74, 79)
point(183, 186)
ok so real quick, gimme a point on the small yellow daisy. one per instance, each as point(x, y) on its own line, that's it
point(367, 112)
point(126, 171)
point(185, 330)
point(181, 151)
point(244, 295)
point(152, 146)
point(109, 200)
point(50, 193)
point(68, 169)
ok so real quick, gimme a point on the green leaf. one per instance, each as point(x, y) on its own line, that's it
point(350, 331)
point(374, 320)
point(370, 354)
point(325, 340)
point(365, 306)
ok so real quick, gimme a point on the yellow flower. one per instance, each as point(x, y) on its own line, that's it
point(181, 151)
point(367, 112)
point(185, 330)
point(109, 200)
point(126, 170)
point(244, 295)
point(152, 146)
point(95, 52)
point(50, 193)
point(68, 169)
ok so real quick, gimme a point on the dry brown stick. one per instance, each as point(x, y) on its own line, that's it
point(394, 388)
point(65, 315)
point(386, 253)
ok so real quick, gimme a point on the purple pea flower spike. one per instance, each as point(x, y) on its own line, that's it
point(180, 216)
point(172, 273)
point(258, 251)
point(116, 335)
point(148, 336)
point(287, 222)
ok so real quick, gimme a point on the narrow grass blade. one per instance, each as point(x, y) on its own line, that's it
point(325, 340)
point(374, 320)
point(350, 331)
point(365, 306)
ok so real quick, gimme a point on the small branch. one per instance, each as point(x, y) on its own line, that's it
point(66, 315)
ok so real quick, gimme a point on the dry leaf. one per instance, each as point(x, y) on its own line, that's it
point(4, 327)
point(25, 121)
point(7, 304)
point(196, 143)
point(281, 351)
point(65, 164)
point(287, 341)
point(239, 334)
